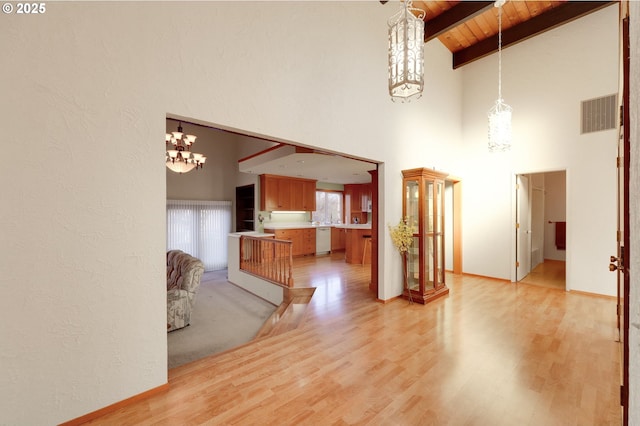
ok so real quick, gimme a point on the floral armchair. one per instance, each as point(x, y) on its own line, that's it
point(183, 279)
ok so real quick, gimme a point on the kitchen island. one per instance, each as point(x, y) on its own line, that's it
point(357, 242)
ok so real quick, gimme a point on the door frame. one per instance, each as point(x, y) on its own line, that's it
point(514, 219)
point(518, 225)
point(456, 218)
point(625, 241)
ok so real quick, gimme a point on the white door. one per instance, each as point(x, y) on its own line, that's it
point(523, 227)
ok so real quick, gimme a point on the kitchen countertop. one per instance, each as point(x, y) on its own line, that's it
point(290, 226)
point(309, 225)
point(354, 226)
point(252, 234)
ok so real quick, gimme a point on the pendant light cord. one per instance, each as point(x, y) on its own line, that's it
point(500, 53)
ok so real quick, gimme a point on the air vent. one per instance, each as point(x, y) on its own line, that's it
point(599, 114)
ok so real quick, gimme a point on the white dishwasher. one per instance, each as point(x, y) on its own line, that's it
point(323, 239)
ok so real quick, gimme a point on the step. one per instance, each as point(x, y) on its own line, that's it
point(289, 314)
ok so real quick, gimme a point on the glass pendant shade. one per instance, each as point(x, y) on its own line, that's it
point(180, 166)
point(406, 53)
point(500, 113)
point(500, 127)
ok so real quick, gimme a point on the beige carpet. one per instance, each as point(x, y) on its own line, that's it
point(224, 316)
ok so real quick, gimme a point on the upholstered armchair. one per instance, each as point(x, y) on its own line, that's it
point(183, 279)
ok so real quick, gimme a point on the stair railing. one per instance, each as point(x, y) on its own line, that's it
point(267, 258)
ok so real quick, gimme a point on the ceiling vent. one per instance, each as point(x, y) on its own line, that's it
point(599, 114)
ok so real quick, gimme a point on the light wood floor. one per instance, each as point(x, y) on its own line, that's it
point(489, 353)
point(550, 273)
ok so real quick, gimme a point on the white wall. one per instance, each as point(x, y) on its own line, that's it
point(544, 79)
point(85, 100)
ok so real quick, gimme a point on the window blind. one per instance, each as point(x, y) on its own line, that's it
point(200, 228)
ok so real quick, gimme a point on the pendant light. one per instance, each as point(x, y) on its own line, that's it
point(179, 158)
point(406, 53)
point(500, 113)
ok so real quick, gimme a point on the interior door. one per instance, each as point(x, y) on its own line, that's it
point(523, 227)
point(623, 234)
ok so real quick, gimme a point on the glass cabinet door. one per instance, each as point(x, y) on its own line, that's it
point(430, 207)
point(412, 198)
point(411, 214)
point(429, 265)
point(413, 266)
point(430, 210)
point(439, 235)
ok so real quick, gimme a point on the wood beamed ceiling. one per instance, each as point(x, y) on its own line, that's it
point(469, 29)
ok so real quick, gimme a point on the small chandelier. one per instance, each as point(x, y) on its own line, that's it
point(500, 114)
point(179, 158)
point(406, 53)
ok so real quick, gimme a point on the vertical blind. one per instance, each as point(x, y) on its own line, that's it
point(200, 228)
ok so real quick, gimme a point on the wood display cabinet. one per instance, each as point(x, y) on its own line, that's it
point(423, 207)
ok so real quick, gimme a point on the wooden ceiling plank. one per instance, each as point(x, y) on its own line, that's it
point(522, 10)
point(488, 24)
point(478, 33)
point(453, 40)
point(453, 17)
point(555, 17)
point(510, 16)
point(469, 36)
point(438, 7)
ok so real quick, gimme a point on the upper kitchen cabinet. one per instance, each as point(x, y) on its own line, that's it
point(303, 194)
point(282, 193)
point(357, 202)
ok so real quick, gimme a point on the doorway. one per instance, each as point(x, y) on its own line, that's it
point(540, 229)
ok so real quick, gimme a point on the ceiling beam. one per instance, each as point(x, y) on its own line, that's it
point(453, 17)
point(557, 16)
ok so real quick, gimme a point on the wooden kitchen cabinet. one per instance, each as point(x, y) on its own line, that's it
point(309, 195)
point(338, 239)
point(303, 240)
point(282, 193)
point(275, 193)
point(303, 195)
point(357, 202)
point(308, 241)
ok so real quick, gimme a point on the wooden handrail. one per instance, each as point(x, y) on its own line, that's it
point(267, 258)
